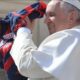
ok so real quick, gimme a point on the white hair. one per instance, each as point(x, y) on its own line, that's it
point(68, 7)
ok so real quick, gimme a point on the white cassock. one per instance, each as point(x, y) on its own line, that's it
point(57, 58)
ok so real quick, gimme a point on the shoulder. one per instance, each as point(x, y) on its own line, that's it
point(64, 34)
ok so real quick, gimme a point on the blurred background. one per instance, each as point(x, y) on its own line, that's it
point(40, 31)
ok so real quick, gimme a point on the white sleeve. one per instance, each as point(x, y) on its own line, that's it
point(21, 53)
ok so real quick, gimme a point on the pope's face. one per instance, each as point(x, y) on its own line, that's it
point(55, 17)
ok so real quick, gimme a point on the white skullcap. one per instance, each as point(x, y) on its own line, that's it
point(75, 3)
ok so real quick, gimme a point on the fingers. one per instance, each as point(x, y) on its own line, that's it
point(30, 23)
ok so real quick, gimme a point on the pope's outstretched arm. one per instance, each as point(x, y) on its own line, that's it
point(22, 51)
